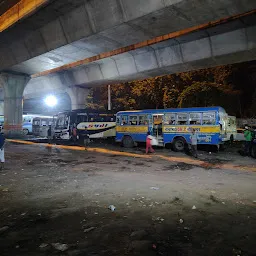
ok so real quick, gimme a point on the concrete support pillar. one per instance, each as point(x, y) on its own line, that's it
point(1, 107)
point(13, 85)
point(78, 97)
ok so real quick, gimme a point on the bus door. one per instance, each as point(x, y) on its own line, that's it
point(158, 125)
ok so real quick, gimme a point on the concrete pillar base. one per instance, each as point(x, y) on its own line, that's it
point(13, 85)
point(78, 97)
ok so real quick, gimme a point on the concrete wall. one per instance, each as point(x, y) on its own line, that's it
point(66, 30)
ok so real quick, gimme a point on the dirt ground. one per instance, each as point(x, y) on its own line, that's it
point(56, 202)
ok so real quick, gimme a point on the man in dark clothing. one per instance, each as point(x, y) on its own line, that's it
point(2, 142)
point(49, 134)
point(248, 141)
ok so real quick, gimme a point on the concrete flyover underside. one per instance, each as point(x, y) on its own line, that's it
point(65, 31)
point(233, 42)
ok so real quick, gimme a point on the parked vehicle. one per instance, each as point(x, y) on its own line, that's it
point(240, 135)
point(231, 129)
point(89, 125)
point(41, 125)
point(173, 126)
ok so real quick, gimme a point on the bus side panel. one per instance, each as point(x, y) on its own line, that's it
point(206, 134)
point(137, 133)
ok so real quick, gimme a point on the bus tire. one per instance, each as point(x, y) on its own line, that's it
point(178, 144)
point(25, 131)
point(128, 142)
point(222, 147)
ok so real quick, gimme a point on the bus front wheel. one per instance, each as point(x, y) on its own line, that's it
point(128, 142)
point(178, 144)
point(25, 131)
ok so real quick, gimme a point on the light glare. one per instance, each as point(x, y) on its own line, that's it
point(50, 101)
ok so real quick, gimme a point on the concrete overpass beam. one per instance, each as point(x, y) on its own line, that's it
point(14, 86)
point(78, 97)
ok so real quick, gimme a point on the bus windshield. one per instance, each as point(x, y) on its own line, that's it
point(62, 121)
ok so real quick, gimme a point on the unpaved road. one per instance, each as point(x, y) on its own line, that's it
point(50, 196)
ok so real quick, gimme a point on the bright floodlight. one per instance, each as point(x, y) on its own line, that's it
point(50, 101)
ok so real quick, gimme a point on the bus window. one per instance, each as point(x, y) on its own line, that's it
point(209, 118)
point(143, 120)
point(44, 122)
point(118, 120)
point(182, 118)
point(124, 120)
point(195, 118)
point(81, 118)
point(170, 119)
point(36, 122)
point(133, 120)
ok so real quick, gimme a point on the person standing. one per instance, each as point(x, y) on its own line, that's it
point(248, 141)
point(49, 134)
point(193, 140)
point(149, 144)
point(74, 133)
point(2, 142)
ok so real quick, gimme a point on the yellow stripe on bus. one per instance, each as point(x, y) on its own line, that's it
point(132, 129)
point(187, 129)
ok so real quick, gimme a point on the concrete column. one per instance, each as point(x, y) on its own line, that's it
point(13, 85)
point(1, 101)
point(78, 97)
point(1, 107)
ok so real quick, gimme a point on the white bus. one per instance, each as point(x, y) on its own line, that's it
point(41, 125)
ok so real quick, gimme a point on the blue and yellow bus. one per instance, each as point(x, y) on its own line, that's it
point(172, 126)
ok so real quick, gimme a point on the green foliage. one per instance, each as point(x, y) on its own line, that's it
point(208, 87)
point(203, 94)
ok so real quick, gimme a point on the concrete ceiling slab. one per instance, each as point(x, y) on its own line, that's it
point(104, 14)
point(32, 66)
point(138, 8)
point(141, 50)
point(109, 69)
point(80, 76)
point(53, 35)
point(164, 44)
point(169, 56)
point(146, 61)
point(76, 24)
point(126, 66)
point(97, 44)
point(122, 56)
point(196, 50)
point(192, 36)
point(251, 37)
point(93, 72)
point(125, 34)
point(221, 43)
point(63, 7)
point(249, 20)
point(163, 22)
point(54, 59)
point(231, 26)
point(35, 44)
point(19, 50)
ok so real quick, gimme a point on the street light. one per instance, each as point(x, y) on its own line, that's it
point(50, 101)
